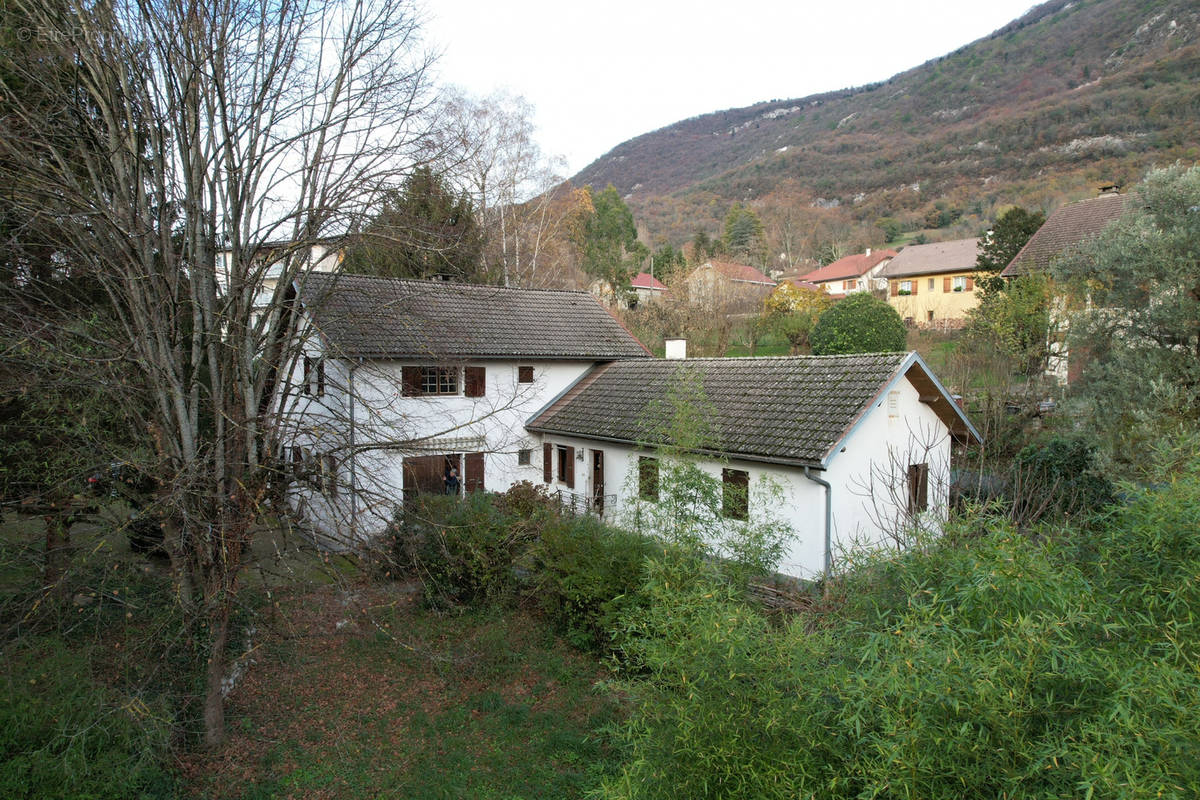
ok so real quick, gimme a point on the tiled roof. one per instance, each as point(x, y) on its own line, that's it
point(741, 272)
point(789, 409)
point(923, 259)
point(852, 266)
point(388, 318)
point(1067, 227)
point(644, 280)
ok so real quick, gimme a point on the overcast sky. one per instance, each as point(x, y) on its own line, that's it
point(599, 73)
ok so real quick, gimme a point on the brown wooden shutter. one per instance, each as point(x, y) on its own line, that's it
point(915, 283)
point(895, 288)
point(547, 462)
point(570, 470)
point(474, 381)
point(970, 284)
point(946, 284)
point(411, 381)
point(473, 472)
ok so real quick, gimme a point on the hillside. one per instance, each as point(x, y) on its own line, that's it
point(1069, 95)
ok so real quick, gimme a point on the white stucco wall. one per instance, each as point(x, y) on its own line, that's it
point(387, 427)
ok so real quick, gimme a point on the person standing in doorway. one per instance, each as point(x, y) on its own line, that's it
point(451, 481)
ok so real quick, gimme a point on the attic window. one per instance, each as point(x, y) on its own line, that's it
point(524, 374)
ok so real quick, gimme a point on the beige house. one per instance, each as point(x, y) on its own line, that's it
point(729, 286)
point(933, 285)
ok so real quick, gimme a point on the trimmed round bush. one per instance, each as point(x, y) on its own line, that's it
point(861, 323)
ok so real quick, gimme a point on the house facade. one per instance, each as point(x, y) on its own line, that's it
point(728, 286)
point(403, 381)
point(645, 289)
point(933, 285)
point(853, 273)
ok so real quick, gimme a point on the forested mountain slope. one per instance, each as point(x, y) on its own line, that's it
point(1069, 95)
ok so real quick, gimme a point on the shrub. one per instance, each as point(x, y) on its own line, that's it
point(588, 575)
point(1058, 477)
point(981, 666)
point(861, 323)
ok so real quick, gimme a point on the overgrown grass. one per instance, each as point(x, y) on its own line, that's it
point(479, 704)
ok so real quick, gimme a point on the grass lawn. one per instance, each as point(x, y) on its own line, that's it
point(352, 687)
point(362, 692)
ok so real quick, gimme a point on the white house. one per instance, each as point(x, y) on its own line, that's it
point(405, 380)
point(858, 446)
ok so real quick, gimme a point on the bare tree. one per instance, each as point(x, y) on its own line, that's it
point(204, 135)
point(516, 189)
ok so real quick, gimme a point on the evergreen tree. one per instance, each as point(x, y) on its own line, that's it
point(996, 250)
point(611, 251)
point(424, 230)
point(744, 236)
point(861, 323)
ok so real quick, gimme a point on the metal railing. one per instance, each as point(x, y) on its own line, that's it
point(577, 504)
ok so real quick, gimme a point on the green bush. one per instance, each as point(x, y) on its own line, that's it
point(861, 323)
point(63, 734)
point(989, 665)
point(465, 550)
point(588, 575)
point(1059, 477)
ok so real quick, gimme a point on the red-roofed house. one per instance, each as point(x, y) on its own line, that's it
point(728, 285)
point(646, 289)
point(852, 273)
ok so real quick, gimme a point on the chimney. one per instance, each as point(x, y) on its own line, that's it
point(676, 349)
point(1109, 188)
point(868, 251)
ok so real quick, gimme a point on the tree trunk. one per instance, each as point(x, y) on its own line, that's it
point(214, 701)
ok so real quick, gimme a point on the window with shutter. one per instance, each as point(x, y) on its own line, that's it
point(566, 465)
point(474, 381)
point(945, 284)
point(735, 493)
point(648, 478)
point(895, 288)
point(547, 462)
point(918, 488)
point(411, 381)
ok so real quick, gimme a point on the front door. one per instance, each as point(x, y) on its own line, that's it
point(598, 481)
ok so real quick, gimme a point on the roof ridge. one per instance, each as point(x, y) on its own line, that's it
point(430, 282)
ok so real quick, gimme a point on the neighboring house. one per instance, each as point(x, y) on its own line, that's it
point(645, 289)
point(858, 446)
point(404, 380)
point(1068, 228)
point(324, 256)
point(854, 273)
point(933, 285)
point(728, 286)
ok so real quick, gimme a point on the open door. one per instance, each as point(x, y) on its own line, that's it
point(598, 481)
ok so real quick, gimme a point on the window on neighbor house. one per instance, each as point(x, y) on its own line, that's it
point(524, 455)
point(930, 285)
point(918, 488)
point(959, 284)
point(929, 315)
point(524, 374)
point(906, 287)
point(314, 376)
point(735, 493)
point(648, 478)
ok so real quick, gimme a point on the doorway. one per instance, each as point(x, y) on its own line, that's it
point(598, 481)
